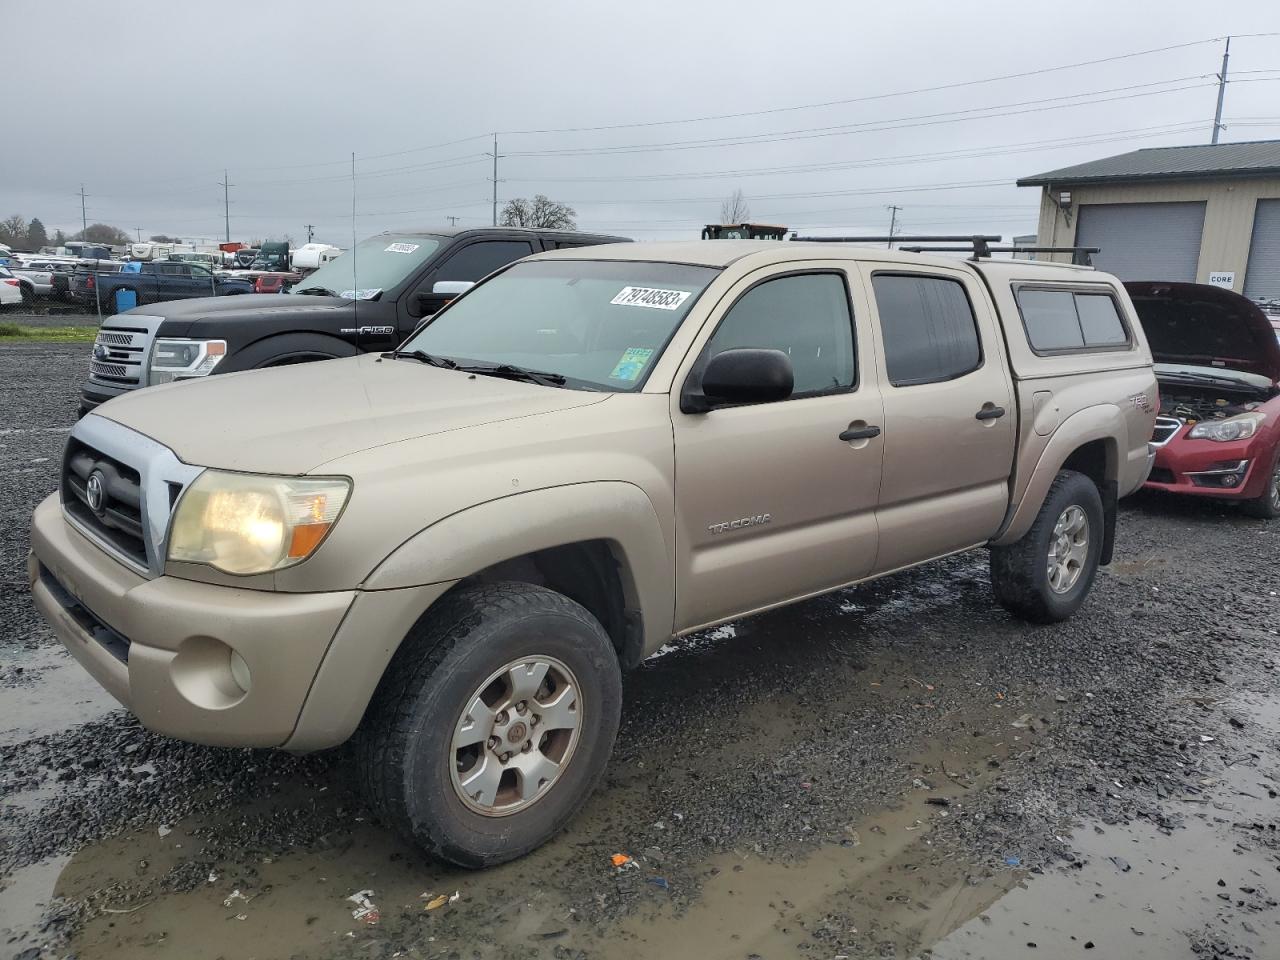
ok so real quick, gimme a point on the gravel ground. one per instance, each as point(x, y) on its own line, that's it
point(896, 768)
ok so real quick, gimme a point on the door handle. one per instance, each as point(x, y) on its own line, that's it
point(989, 412)
point(864, 433)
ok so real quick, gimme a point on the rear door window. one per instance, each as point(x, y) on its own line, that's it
point(477, 260)
point(1059, 320)
point(928, 328)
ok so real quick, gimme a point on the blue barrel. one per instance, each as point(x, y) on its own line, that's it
point(126, 300)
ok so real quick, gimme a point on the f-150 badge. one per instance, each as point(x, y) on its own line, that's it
point(370, 331)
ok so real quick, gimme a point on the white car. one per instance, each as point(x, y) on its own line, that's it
point(10, 291)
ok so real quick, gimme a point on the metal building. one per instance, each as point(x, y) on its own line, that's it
point(1208, 214)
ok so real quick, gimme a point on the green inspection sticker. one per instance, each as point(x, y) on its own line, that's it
point(631, 364)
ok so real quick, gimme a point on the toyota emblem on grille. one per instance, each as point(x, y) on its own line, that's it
point(95, 491)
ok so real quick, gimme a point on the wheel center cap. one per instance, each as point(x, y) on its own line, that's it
point(518, 733)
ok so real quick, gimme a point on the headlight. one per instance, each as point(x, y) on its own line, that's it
point(179, 359)
point(1241, 427)
point(243, 523)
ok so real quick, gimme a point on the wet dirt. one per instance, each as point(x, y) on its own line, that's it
point(771, 783)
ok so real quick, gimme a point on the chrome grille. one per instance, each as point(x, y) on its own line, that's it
point(1165, 429)
point(119, 489)
point(114, 370)
point(122, 349)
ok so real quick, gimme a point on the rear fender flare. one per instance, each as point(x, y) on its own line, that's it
point(1103, 422)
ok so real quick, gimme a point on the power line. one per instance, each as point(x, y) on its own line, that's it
point(878, 96)
point(898, 123)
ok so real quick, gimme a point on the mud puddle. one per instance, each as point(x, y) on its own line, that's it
point(45, 691)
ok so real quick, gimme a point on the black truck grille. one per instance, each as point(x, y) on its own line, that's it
point(105, 497)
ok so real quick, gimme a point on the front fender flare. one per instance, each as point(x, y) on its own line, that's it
point(1101, 422)
point(619, 513)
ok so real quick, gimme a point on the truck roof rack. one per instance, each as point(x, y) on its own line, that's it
point(980, 244)
point(1080, 256)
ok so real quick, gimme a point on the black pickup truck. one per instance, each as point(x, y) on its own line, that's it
point(370, 298)
point(151, 282)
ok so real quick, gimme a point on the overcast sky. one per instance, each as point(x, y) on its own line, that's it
point(146, 104)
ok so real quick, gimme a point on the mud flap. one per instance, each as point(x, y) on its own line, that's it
point(1110, 496)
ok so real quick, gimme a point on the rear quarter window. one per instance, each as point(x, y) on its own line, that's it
point(1064, 320)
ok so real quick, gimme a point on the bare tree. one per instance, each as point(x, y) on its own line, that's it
point(735, 209)
point(103, 233)
point(538, 212)
point(13, 231)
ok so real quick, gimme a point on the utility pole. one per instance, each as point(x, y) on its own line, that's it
point(495, 179)
point(226, 201)
point(311, 231)
point(453, 221)
point(84, 218)
point(893, 223)
point(139, 232)
point(1222, 91)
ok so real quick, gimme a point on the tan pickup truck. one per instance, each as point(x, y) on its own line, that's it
point(453, 551)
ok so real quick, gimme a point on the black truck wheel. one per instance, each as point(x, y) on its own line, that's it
point(1045, 576)
point(493, 723)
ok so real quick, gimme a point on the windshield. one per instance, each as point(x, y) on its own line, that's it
point(601, 324)
point(380, 263)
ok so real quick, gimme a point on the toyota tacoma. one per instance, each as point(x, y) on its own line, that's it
point(451, 551)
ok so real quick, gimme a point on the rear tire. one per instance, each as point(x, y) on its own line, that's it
point(1267, 506)
point(453, 706)
point(1045, 576)
point(28, 294)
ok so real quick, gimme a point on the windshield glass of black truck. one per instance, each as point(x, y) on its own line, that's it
point(377, 264)
point(599, 324)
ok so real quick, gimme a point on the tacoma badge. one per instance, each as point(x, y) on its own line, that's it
point(756, 521)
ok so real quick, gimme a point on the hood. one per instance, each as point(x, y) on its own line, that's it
point(1198, 324)
point(181, 316)
point(290, 420)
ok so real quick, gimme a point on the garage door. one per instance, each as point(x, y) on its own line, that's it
point(1262, 276)
point(1143, 241)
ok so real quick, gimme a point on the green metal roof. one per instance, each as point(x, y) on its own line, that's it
point(1257, 158)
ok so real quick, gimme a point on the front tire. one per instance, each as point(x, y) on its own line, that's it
point(1267, 506)
point(493, 723)
point(1045, 576)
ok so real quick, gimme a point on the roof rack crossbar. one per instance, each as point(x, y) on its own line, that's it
point(1080, 256)
point(979, 243)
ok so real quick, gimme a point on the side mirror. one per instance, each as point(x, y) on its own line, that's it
point(452, 287)
point(746, 375)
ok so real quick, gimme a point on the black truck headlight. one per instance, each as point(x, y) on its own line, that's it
point(180, 359)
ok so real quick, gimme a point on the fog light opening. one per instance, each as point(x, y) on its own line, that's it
point(240, 672)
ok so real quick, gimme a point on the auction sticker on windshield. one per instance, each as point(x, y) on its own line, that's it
point(653, 297)
point(401, 248)
point(632, 363)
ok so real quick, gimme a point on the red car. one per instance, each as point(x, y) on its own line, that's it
point(1218, 365)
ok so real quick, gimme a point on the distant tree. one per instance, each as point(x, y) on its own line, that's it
point(59, 238)
point(538, 212)
point(13, 232)
point(162, 238)
point(103, 233)
point(36, 235)
point(735, 209)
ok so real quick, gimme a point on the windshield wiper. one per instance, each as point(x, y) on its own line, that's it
point(316, 292)
point(511, 372)
point(422, 357)
point(1203, 377)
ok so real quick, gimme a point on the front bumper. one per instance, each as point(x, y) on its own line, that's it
point(162, 647)
point(94, 394)
point(1207, 468)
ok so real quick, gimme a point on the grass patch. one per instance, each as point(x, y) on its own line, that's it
point(16, 333)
